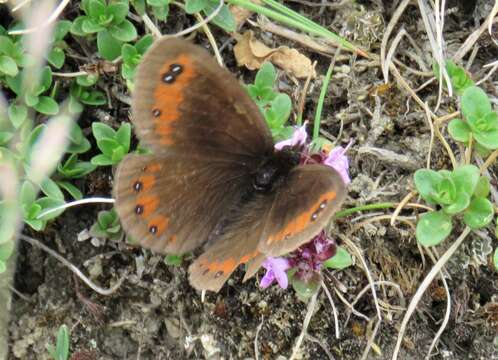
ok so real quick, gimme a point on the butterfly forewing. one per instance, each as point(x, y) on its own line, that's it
point(184, 101)
point(303, 205)
point(171, 203)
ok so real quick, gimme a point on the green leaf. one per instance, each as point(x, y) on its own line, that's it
point(483, 188)
point(56, 57)
point(109, 48)
point(124, 31)
point(460, 203)
point(50, 188)
point(194, 6)
point(128, 52)
point(62, 343)
point(8, 66)
point(433, 227)
point(144, 43)
point(46, 204)
point(475, 103)
point(75, 193)
point(31, 100)
point(465, 178)
point(495, 259)
point(27, 193)
point(101, 160)
point(77, 26)
point(123, 135)
point(224, 19)
point(459, 130)
point(281, 107)
point(426, 182)
point(479, 213)
point(96, 9)
point(306, 289)
point(488, 139)
point(158, 3)
point(102, 131)
point(5, 137)
point(61, 29)
point(46, 105)
point(160, 12)
point(173, 260)
point(118, 10)
point(7, 46)
point(87, 80)
point(340, 260)
point(266, 76)
point(6, 250)
point(108, 146)
point(17, 114)
point(45, 80)
point(90, 26)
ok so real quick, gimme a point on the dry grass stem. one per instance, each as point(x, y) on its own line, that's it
point(423, 287)
point(306, 322)
point(73, 268)
point(211, 39)
point(334, 310)
point(387, 33)
point(149, 24)
point(400, 206)
point(41, 26)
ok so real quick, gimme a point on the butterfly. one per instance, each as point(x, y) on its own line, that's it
point(214, 179)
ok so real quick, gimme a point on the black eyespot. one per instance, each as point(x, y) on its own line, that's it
point(218, 274)
point(169, 78)
point(139, 209)
point(314, 216)
point(153, 229)
point(323, 204)
point(156, 112)
point(176, 69)
point(137, 186)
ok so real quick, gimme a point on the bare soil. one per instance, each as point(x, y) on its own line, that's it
point(155, 314)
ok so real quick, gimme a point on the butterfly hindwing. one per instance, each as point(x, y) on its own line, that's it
point(238, 244)
point(303, 205)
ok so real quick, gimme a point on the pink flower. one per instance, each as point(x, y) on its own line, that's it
point(308, 258)
point(275, 270)
point(298, 138)
point(337, 160)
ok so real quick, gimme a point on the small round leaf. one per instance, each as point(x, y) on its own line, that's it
point(479, 213)
point(433, 227)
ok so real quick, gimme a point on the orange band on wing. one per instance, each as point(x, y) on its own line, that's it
point(301, 222)
point(169, 96)
point(148, 203)
point(159, 223)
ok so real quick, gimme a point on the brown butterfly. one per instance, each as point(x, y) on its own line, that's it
point(214, 178)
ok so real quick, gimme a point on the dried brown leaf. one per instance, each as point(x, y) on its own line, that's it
point(252, 53)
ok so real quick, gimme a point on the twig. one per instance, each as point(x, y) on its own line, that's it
point(73, 268)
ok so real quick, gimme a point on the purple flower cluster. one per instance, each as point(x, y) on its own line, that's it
point(307, 260)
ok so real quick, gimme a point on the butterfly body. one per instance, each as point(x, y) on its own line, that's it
point(214, 179)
